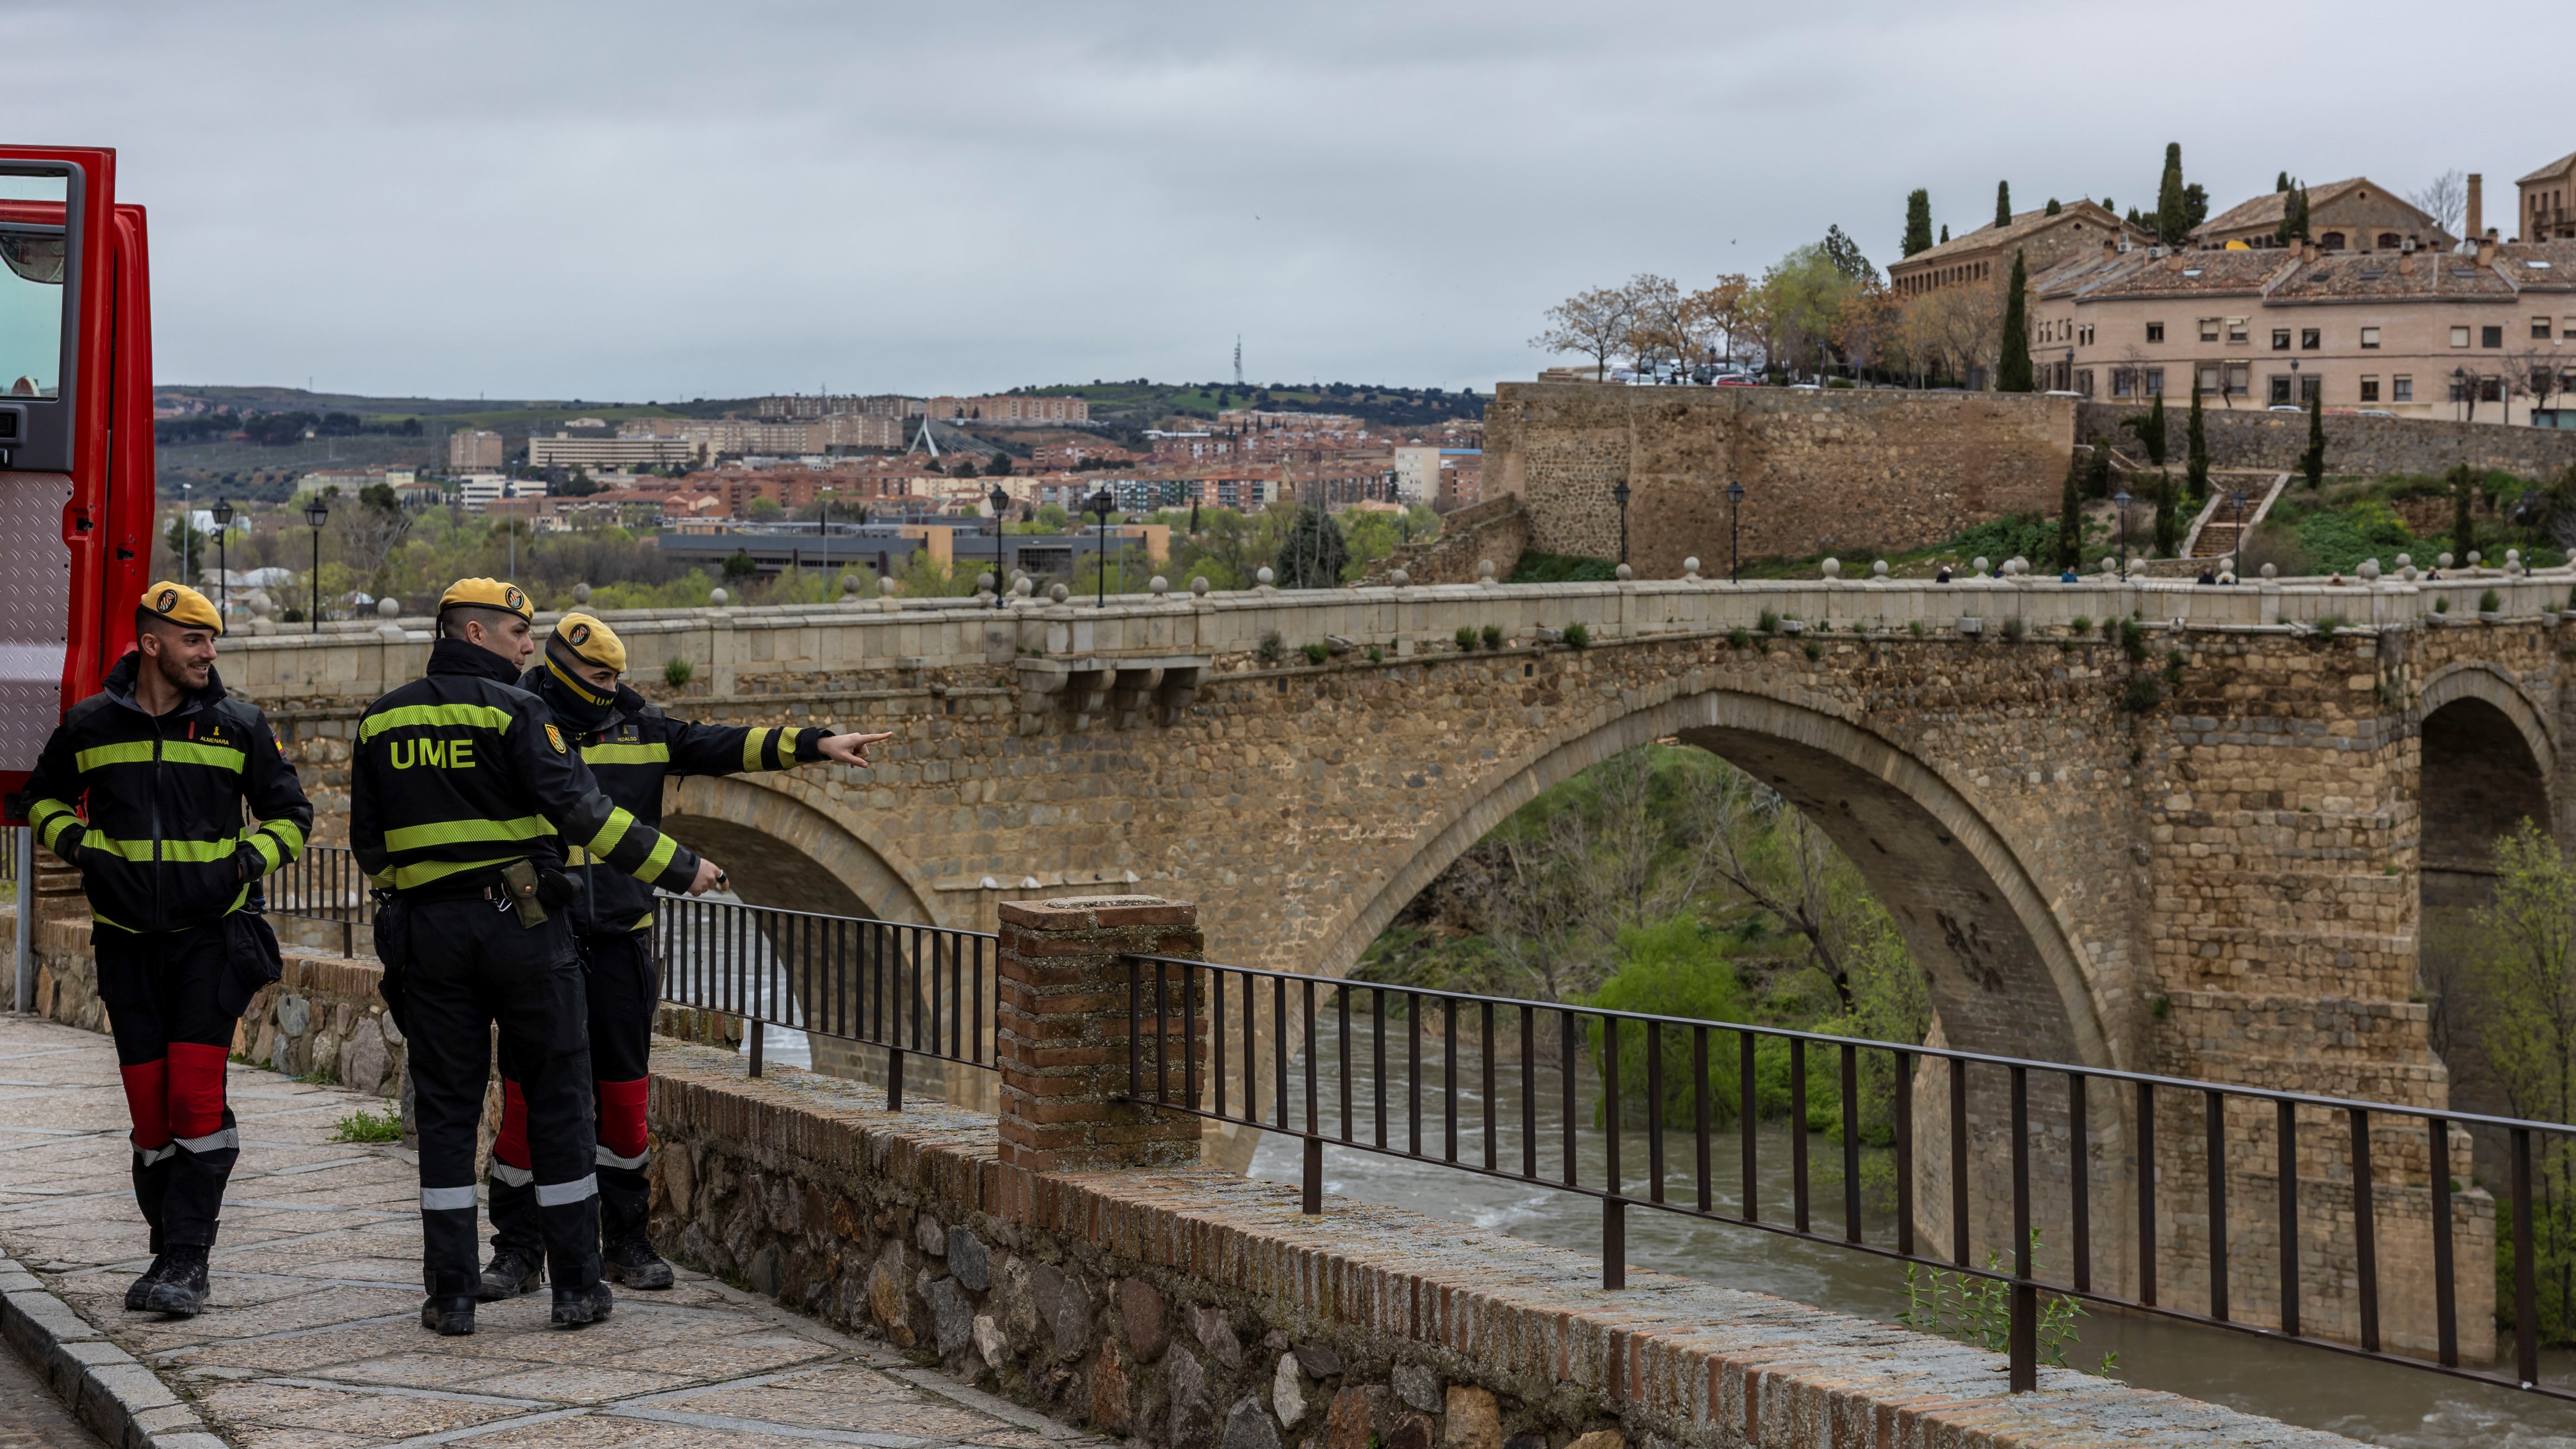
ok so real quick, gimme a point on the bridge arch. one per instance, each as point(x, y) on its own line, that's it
point(786, 846)
point(2006, 972)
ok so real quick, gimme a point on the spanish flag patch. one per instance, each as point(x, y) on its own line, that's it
point(555, 738)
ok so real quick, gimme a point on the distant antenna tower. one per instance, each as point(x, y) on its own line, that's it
point(1238, 359)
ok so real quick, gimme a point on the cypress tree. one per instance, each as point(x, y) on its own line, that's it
point(2170, 227)
point(2168, 524)
point(2003, 203)
point(1313, 554)
point(1918, 221)
point(2196, 446)
point(2294, 216)
point(2313, 461)
point(2283, 184)
point(1945, 231)
point(2070, 515)
point(2097, 474)
point(2052, 208)
point(2012, 362)
point(2464, 530)
point(2154, 436)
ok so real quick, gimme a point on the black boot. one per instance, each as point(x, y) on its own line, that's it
point(632, 1262)
point(138, 1298)
point(577, 1306)
point(510, 1275)
point(452, 1317)
point(181, 1287)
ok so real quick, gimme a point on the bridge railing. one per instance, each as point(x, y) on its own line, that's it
point(2365, 1219)
point(323, 883)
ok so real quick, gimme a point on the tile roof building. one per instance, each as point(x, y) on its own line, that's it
point(2357, 215)
point(2043, 238)
point(2546, 209)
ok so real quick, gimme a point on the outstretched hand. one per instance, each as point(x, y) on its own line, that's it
point(851, 749)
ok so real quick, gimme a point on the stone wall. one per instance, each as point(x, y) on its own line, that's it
point(2246, 437)
point(1851, 473)
point(1496, 530)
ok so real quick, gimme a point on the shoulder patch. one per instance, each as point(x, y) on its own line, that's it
point(554, 737)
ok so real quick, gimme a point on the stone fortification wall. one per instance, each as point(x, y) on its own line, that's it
point(1842, 472)
point(2371, 447)
point(1495, 530)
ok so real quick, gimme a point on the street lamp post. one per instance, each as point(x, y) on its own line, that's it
point(1102, 503)
point(1619, 494)
point(1734, 532)
point(223, 511)
point(2120, 500)
point(1000, 498)
point(187, 527)
point(317, 513)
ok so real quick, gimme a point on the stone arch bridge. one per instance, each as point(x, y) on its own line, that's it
point(2227, 881)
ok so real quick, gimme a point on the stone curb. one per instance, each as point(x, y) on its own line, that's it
point(106, 1389)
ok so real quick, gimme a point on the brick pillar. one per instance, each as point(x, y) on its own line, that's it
point(1061, 1035)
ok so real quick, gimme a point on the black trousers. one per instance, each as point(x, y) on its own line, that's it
point(173, 1038)
point(471, 966)
point(624, 986)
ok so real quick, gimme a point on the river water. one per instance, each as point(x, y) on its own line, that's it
point(2307, 1386)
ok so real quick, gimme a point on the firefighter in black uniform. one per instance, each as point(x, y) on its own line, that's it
point(631, 747)
point(142, 788)
point(463, 790)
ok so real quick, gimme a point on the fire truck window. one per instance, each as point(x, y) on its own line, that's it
point(31, 313)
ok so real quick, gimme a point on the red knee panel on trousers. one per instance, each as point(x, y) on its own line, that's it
point(511, 1146)
point(196, 1089)
point(147, 1101)
point(621, 1116)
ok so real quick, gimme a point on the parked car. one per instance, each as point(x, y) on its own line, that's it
point(2285, 408)
point(1737, 379)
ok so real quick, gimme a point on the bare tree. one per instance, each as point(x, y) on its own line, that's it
point(1596, 323)
point(368, 528)
point(1659, 323)
point(2445, 198)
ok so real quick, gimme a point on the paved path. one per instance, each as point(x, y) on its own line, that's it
point(30, 1416)
point(312, 1339)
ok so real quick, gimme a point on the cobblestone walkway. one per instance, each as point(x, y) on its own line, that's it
point(312, 1339)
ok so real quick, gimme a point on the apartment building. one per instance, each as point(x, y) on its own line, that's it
point(2546, 207)
point(478, 451)
point(595, 450)
point(2481, 334)
point(796, 407)
point(1011, 408)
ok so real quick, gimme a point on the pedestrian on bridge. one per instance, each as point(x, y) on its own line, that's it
point(631, 747)
point(463, 788)
point(142, 790)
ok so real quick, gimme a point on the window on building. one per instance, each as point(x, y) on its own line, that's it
point(2280, 339)
point(2540, 328)
point(2331, 241)
point(2084, 381)
point(2123, 381)
point(2084, 335)
point(2309, 385)
point(2491, 389)
point(2209, 329)
point(2391, 240)
point(2209, 377)
point(2240, 379)
point(2310, 338)
point(2459, 337)
point(2491, 337)
point(2370, 389)
point(2401, 388)
point(2369, 337)
point(2235, 329)
point(2155, 382)
point(2281, 387)
point(2155, 332)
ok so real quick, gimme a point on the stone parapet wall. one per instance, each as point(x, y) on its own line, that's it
point(1834, 472)
point(1495, 531)
point(1186, 1308)
point(2370, 447)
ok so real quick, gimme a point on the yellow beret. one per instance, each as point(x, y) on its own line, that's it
point(180, 605)
point(487, 594)
point(591, 641)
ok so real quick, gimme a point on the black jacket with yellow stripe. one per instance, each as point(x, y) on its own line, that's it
point(633, 751)
point(455, 776)
point(150, 807)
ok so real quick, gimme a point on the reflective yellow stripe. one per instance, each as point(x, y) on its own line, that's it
point(382, 879)
point(408, 876)
point(268, 851)
point(189, 752)
point(44, 810)
point(626, 754)
point(643, 925)
point(288, 833)
point(131, 752)
point(612, 832)
point(171, 850)
point(485, 716)
point(751, 742)
point(456, 832)
point(659, 860)
point(53, 830)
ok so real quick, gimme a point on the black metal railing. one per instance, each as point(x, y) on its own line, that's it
point(323, 883)
point(1215, 1041)
point(912, 990)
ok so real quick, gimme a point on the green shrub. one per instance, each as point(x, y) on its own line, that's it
point(1815, 651)
point(2488, 603)
point(1315, 653)
point(1769, 623)
point(2330, 625)
point(1577, 637)
point(365, 1126)
point(1737, 638)
point(1562, 568)
point(2442, 604)
point(2014, 629)
point(1467, 638)
point(2133, 641)
point(1270, 650)
point(678, 672)
point(1493, 636)
point(1376, 654)
point(1915, 628)
point(2144, 694)
point(2083, 625)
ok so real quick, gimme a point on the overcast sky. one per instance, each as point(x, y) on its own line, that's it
point(646, 200)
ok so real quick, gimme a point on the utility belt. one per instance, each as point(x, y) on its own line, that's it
point(519, 886)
